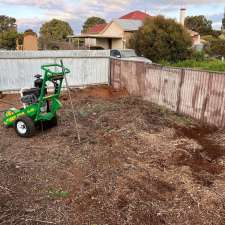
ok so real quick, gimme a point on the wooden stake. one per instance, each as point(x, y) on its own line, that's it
point(73, 110)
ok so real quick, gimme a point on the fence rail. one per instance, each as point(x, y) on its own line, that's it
point(87, 67)
point(199, 94)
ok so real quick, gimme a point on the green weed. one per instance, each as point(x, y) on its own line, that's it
point(58, 193)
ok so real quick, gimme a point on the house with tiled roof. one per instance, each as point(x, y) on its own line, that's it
point(117, 33)
point(113, 35)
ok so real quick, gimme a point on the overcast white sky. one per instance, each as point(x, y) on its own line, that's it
point(32, 13)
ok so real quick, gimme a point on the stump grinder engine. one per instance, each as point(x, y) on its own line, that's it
point(38, 105)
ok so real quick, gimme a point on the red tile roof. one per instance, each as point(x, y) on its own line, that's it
point(97, 28)
point(136, 15)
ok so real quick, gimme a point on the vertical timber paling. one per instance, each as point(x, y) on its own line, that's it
point(182, 74)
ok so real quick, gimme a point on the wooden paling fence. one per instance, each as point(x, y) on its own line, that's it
point(196, 93)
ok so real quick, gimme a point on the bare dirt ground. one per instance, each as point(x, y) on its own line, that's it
point(137, 164)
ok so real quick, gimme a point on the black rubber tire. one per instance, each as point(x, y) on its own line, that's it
point(29, 126)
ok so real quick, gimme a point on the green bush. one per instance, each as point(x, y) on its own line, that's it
point(216, 48)
point(198, 56)
point(211, 65)
point(162, 39)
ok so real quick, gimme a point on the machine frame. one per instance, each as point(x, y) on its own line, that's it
point(26, 118)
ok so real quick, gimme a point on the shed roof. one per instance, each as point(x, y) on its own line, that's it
point(129, 22)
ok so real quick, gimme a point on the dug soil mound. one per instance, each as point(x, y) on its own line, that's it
point(136, 164)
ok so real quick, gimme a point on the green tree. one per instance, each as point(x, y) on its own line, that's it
point(55, 30)
point(199, 24)
point(162, 39)
point(8, 39)
point(92, 21)
point(7, 23)
point(223, 22)
point(8, 32)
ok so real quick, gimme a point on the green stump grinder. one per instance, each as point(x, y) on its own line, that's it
point(38, 106)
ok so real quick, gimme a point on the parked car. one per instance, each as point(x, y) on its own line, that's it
point(128, 54)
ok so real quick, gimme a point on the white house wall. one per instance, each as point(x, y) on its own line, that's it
point(117, 44)
point(113, 30)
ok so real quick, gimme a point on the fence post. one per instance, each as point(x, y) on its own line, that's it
point(110, 72)
point(120, 73)
point(182, 74)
